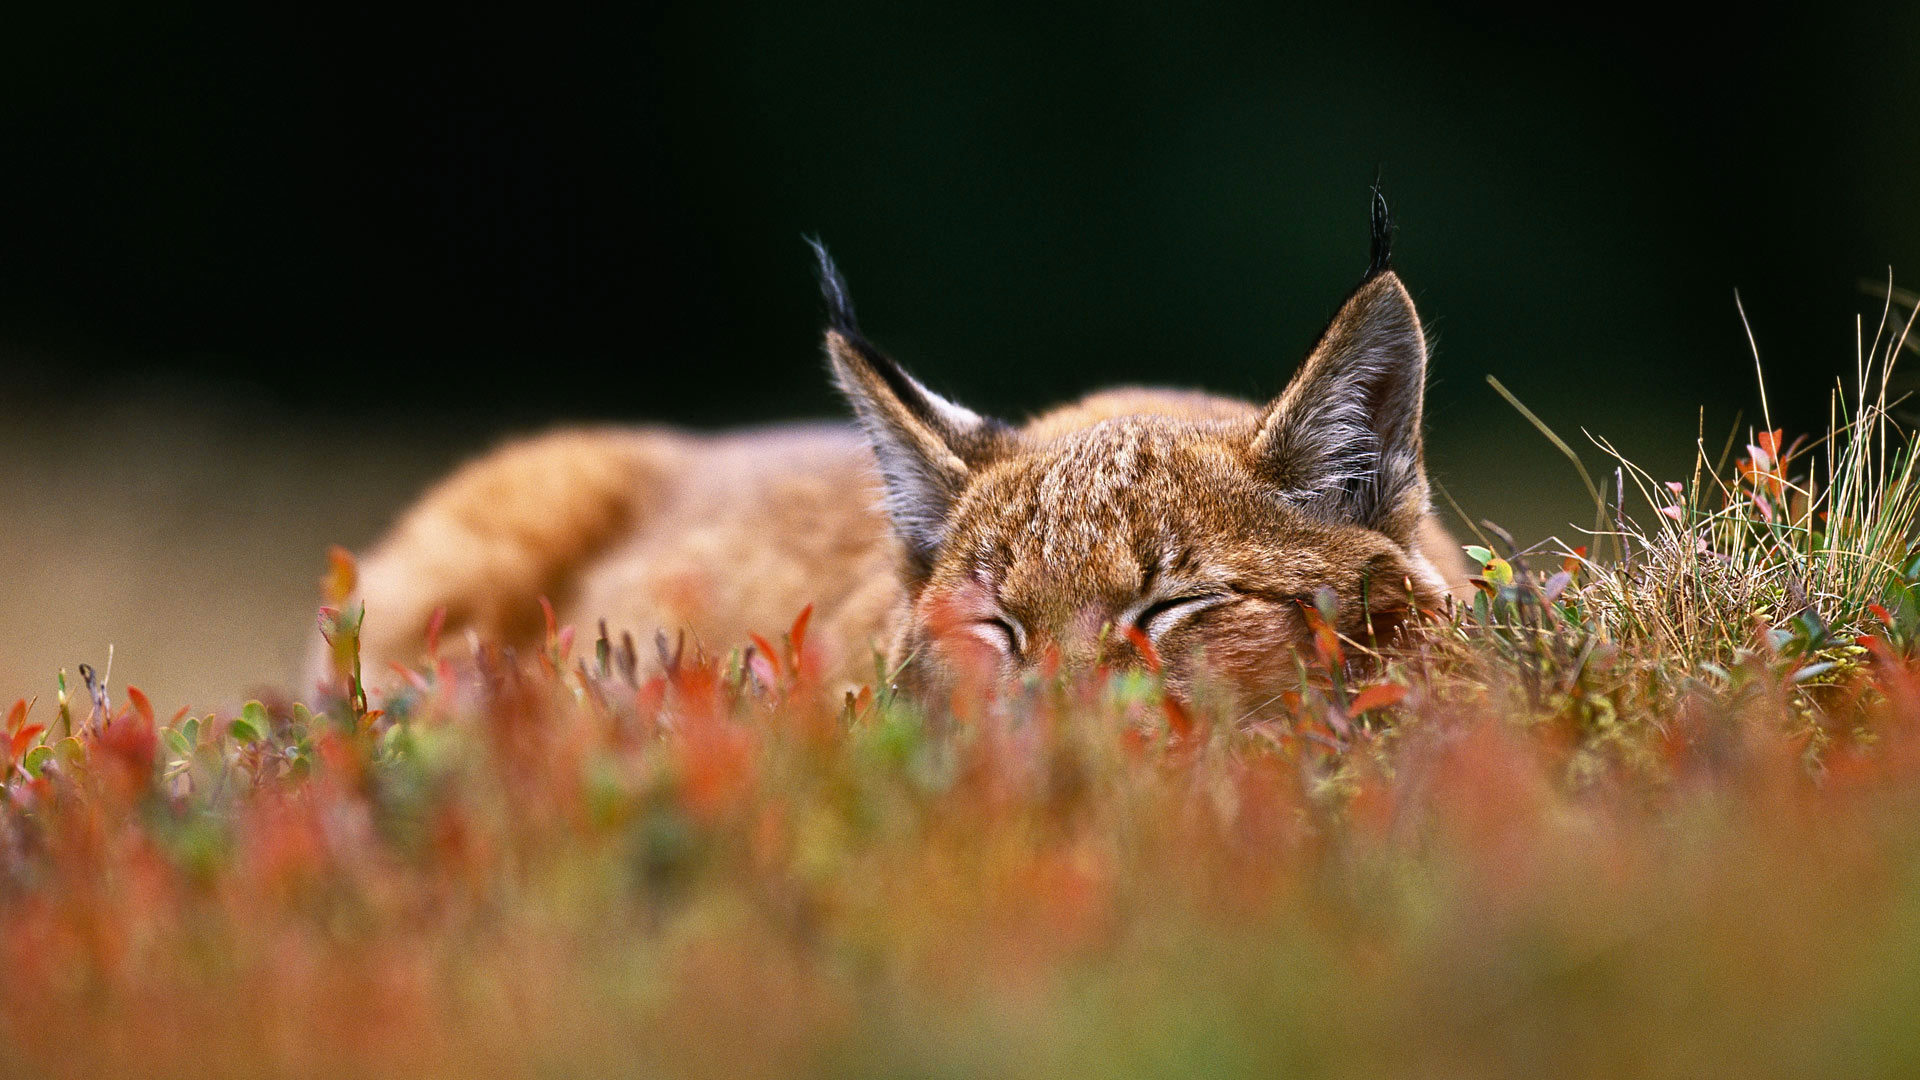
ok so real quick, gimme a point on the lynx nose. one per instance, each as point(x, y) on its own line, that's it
point(1095, 637)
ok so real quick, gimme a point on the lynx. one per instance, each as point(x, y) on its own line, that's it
point(1190, 526)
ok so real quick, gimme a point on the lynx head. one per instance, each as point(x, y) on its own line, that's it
point(1202, 523)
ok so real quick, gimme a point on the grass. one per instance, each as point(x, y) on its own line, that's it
point(1651, 814)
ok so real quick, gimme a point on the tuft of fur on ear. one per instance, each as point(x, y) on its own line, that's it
point(928, 448)
point(1343, 440)
point(1380, 250)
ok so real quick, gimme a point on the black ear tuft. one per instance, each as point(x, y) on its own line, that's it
point(833, 288)
point(1381, 256)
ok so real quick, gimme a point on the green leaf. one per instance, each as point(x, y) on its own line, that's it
point(69, 750)
point(191, 730)
point(177, 742)
point(37, 759)
point(1498, 571)
point(255, 714)
point(243, 731)
point(1478, 554)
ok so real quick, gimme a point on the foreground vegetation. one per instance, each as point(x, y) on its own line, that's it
point(1656, 813)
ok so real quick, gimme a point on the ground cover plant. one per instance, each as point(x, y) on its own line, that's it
point(1649, 805)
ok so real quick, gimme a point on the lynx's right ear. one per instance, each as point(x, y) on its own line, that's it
point(927, 447)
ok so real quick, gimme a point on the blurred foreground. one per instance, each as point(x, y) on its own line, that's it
point(1655, 819)
point(556, 869)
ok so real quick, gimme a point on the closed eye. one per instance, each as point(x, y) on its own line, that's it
point(1162, 615)
point(1005, 631)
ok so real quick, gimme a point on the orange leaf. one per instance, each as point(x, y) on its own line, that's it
point(1770, 442)
point(1376, 697)
point(1326, 640)
point(140, 703)
point(341, 576)
point(16, 714)
point(1327, 644)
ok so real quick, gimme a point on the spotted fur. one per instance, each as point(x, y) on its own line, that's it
point(945, 539)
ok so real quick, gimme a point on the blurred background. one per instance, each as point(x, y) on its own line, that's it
point(265, 272)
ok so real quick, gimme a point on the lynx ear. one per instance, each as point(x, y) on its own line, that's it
point(1343, 440)
point(928, 448)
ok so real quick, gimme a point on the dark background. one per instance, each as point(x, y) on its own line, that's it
point(317, 255)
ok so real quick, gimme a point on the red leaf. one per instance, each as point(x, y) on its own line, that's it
point(546, 609)
point(1178, 721)
point(16, 714)
point(1770, 442)
point(435, 624)
point(766, 650)
point(21, 740)
point(797, 635)
point(1376, 697)
point(1144, 646)
point(413, 678)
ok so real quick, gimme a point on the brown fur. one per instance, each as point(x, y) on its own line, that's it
point(972, 542)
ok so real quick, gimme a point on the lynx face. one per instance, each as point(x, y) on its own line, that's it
point(1153, 523)
point(1202, 523)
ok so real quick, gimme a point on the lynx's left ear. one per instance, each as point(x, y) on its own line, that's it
point(928, 448)
point(1343, 440)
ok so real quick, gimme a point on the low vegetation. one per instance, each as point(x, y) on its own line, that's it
point(1649, 806)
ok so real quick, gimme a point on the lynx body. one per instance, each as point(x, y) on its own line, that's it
point(943, 539)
